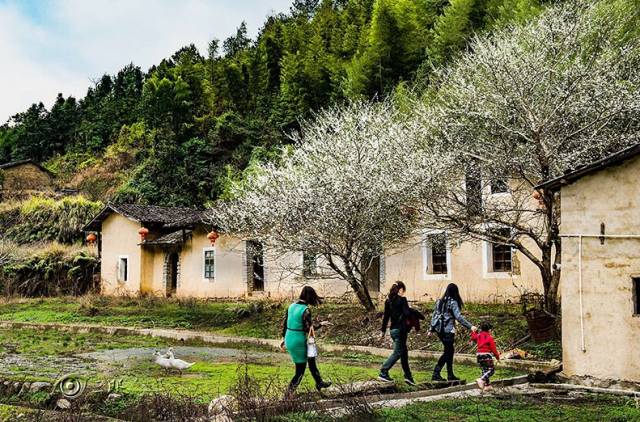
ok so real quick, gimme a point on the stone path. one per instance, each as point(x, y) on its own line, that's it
point(211, 338)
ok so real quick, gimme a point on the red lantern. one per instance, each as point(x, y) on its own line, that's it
point(91, 238)
point(213, 236)
point(536, 195)
point(143, 232)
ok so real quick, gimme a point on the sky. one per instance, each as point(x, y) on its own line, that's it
point(52, 46)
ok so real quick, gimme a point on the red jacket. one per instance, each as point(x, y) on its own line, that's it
point(485, 342)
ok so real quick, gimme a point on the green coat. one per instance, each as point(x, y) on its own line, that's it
point(295, 339)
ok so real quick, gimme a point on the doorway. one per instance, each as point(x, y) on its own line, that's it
point(172, 268)
point(255, 266)
point(372, 277)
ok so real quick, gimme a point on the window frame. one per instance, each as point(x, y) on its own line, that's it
point(119, 277)
point(488, 260)
point(204, 263)
point(427, 257)
point(635, 295)
point(491, 185)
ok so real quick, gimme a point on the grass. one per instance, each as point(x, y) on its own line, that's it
point(503, 409)
point(350, 324)
point(207, 378)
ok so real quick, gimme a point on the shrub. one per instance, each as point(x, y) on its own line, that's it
point(47, 270)
point(40, 219)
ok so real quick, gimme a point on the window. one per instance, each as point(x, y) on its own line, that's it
point(501, 253)
point(123, 268)
point(473, 188)
point(636, 295)
point(309, 264)
point(499, 186)
point(436, 254)
point(209, 263)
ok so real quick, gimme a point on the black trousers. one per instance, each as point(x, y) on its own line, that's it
point(447, 340)
point(300, 368)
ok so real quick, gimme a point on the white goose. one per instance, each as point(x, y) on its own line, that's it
point(163, 361)
point(178, 364)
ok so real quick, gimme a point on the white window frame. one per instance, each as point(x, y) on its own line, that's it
point(487, 258)
point(426, 252)
point(204, 263)
point(119, 269)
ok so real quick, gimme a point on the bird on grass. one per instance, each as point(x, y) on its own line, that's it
point(178, 364)
point(163, 361)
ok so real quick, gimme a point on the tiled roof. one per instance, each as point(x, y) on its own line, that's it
point(21, 162)
point(151, 214)
point(174, 238)
point(608, 161)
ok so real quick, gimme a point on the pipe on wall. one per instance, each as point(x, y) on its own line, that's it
point(580, 292)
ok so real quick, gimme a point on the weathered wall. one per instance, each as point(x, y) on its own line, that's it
point(120, 237)
point(229, 280)
point(611, 330)
point(466, 269)
point(26, 177)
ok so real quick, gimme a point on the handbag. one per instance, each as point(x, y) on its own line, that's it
point(312, 348)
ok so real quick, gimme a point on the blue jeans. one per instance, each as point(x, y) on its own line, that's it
point(400, 351)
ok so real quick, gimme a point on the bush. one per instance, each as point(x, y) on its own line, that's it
point(45, 219)
point(47, 270)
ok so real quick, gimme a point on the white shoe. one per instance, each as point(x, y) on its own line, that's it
point(480, 383)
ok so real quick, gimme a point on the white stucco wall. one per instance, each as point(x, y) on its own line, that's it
point(611, 330)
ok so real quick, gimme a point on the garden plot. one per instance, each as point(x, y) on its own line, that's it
point(36, 355)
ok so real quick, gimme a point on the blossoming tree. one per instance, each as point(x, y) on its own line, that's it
point(345, 192)
point(524, 105)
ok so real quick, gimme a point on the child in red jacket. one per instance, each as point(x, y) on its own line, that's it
point(485, 353)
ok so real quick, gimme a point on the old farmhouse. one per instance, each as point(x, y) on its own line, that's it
point(166, 251)
point(600, 281)
point(21, 178)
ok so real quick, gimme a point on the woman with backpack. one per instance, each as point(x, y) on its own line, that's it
point(296, 329)
point(397, 310)
point(447, 311)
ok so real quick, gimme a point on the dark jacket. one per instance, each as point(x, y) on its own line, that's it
point(413, 320)
point(396, 311)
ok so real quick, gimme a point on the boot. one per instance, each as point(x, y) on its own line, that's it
point(452, 377)
point(323, 384)
point(436, 374)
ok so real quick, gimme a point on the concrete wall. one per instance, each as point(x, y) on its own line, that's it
point(26, 177)
point(611, 330)
point(468, 268)
point(120, 238)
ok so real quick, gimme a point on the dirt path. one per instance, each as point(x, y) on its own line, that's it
point(212, 338)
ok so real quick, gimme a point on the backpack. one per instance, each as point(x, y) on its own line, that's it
point(438, 317)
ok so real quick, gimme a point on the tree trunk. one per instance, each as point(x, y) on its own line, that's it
point(550, 278)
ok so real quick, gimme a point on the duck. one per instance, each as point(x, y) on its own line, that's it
point(178, 364)
point(163, 361)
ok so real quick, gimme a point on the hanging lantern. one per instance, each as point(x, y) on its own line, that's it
point(143, 232)
point(213, 236)
point(536, 195)
point(91, 238)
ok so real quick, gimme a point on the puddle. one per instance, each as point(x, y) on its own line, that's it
point(188, 353)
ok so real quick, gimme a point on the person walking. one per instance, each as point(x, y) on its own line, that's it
point(397, 310)
point(485, 352)
point(447, 311)
point(296, 328)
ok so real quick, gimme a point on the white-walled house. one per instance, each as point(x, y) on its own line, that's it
point(600, 279)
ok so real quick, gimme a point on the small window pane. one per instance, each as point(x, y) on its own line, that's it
point(438, 248)
point(499, 186)
point(209, 264)
point(123, 270)
point(501, 254)
point(473, 186)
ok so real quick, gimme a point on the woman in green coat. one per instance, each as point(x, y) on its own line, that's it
point(295, 329)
